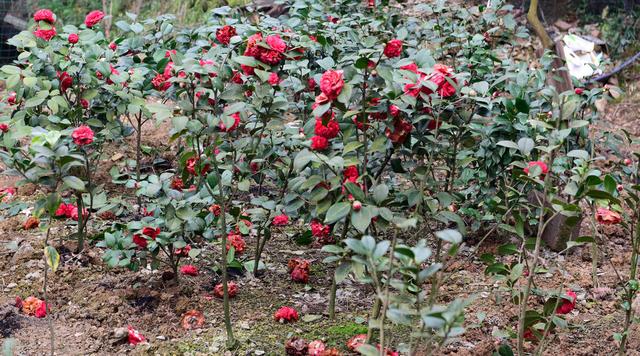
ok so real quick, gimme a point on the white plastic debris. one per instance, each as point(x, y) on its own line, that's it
point(582, 60)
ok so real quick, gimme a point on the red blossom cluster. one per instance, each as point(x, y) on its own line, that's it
point(238, 243)
point(45, 29)
point(93, 18)
point(70, 211)
point(286, 314)
point(140, 240)
point(440, 76)
point(299, 269)
point(189, 270)
point(542, 165)
point(82, 135)
point(280, 220)
point(566, 305)
point(66, 81)
point(331, 84)
point(161, 81)
point(32, 306)
point(607, 217)
point(232, 288)
point(224, 34)
point(134, 337)
point(321, 232)
point(269, 51)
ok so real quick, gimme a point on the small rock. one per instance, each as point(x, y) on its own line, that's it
point(11, 286)
point(244, 325)
point(120, 333)
point(25, 252)
point(258, 352)
point(160, 337)
point(33, 275)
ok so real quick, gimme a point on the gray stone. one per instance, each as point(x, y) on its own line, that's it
point(560, 229)
point(24, 253)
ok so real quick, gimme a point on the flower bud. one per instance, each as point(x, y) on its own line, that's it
point(356, 205)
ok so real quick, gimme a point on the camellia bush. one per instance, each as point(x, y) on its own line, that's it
point(384, 141)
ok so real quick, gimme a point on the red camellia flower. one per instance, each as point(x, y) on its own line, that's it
point(83, 135)
point(215, 209)
point(140, 241)
point(113, 46)
point(73, 38)
point(286, 314)
point(189, 270)
point(394, 110)
point(236, 123)
point(542, 165)
point(46, 34)
point(316, 348)
point(300, 275)
point(607, 217)
point(274, 79)
point(31, 223)
point(151, 232)
point(169, 52)
point(566, 306)
point(281, 220)
point(160, 83)
point(439, 75)
point(33, 306)
point(4, 127)
point(331, 83)
point(318, 229)
point(11, 99)
point(45, 15)
point(224, 34)
point(319, 143)
point(393, 48)
point(84, 103)
point(93, 18)
point(311, 84)
point(579, 91)
point(232, 288)
point(66, 81)
point(183, 251)
point(401, 130)
point(276, 43)
point(356, 342)
point(134, 336)
point(327, 129)
point(41, 312)
point(177, 183)
point(237, 242)
point(192, 319)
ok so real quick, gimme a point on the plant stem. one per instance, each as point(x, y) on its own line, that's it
point(231, 341)
point(536, 257)
point(630, 292)
point(334, 284)
point(139, 158)
point(385, 302)
point(46, 300)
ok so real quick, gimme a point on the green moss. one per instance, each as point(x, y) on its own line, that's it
point(347, 329)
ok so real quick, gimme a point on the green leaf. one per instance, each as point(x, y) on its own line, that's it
point(509, 144)
point(74, 183)
point(246, 60)
point(52, 257)
point(342, 271)
point(449, 235)
point(380, 193)
point(362, 219)
point(337, 212)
